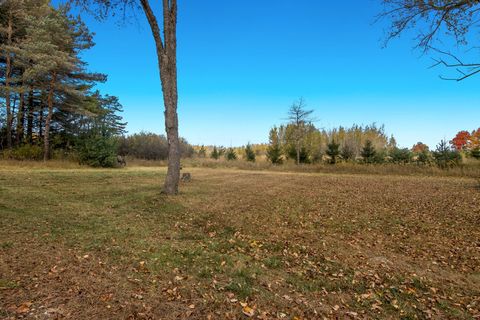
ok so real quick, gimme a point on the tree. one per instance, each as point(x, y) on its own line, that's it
point(215, 154)
point(202, 153)
point(368, 152)
point(249, 153)
point(419, 147)
point(461, 140)
point(474, 144)
point(53, 45)
point(274, 150)
point(348, 151)
point(230, 154)
point(454, 18)
point(333, 151)
point(166, 50)
point(445, 156)
point(299, 117)
point(400, 155)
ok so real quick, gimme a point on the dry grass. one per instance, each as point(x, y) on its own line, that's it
point(469, 168)
point(105, 244)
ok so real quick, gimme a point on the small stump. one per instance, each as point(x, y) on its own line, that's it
point(186, 177)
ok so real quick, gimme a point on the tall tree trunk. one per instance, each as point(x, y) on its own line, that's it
point(20, 120)
point(8, 70)
point(30, 116)
point(46, 138)
point(167, 63)
point(170, 98)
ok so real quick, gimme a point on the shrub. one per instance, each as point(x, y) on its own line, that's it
point(150, 146)
point(25, 152)
point(98, 151)
point(424, 157)
point(202, 153)
point(400, 155)
point(475, 153)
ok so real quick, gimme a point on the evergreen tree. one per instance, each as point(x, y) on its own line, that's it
point(215, 154)
point(400, 155)
point(333, 151)
point(249, 153)
point(274, 151)
point(348, 153)
point(53, 45)
point(43, 78)
point(445, 156)
point(230, 154)
point(368, 152)
point(475, 153)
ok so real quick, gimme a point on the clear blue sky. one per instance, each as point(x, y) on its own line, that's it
point(242, 63)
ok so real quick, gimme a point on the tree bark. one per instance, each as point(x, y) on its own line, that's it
point(20, 120)
point(167, 63)
point(30, 116)
point(8, 70)
point(46, 138)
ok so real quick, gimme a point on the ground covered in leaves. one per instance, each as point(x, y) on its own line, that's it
point(105, 244)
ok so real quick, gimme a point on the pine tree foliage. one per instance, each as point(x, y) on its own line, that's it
point(46, 89)
point(249, 153)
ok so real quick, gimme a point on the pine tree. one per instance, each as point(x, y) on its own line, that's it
point(445, 156)
point(347, 153)
point(333, 151)
point(368, 152)
point(230, 154)
point(215, 154)
point(249, 153)
point(274, 151)
point(53, 45)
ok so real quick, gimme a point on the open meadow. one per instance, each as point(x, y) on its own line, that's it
point(78, 243)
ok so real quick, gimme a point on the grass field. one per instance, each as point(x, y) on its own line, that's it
point(80, 243)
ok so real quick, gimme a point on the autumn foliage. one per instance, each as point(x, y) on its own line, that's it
point(461, 140)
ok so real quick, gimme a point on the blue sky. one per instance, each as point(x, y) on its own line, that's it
point(242, 63)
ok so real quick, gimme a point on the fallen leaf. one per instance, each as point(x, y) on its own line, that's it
point(249, 312)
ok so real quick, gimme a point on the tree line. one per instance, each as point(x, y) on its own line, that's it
point(300, 141)
point(48, 96)
point(49, 104)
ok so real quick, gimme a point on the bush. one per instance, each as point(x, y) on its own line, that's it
point(150, 146)
point(98, 151)
point(400, 155)
point(424, 157)
point(475, 153)
point(25, 152)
